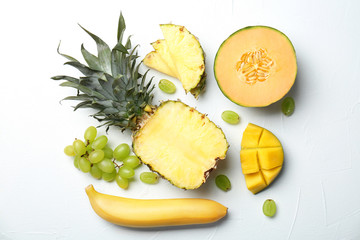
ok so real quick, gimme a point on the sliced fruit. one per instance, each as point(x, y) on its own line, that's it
point(187, 55)
point(184, 153)
point(154, 60)
point(162, 49)
point(261, 157)
point(255, 66)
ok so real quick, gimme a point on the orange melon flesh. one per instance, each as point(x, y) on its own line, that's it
point(271, 84)
point(261, 157)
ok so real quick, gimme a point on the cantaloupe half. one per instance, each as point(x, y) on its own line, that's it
point(256, 66)
point(261, 157)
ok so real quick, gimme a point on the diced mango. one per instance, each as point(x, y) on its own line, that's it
point(268, 139)
point(255, 182)
point(270, 175)
point(249, 161)
point(251, 136)
point(270, 158)
point(261, 157)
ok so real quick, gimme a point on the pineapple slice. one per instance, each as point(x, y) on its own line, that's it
point(162, 49)
point(187, 55)
point(155, 61)
point(180, 144)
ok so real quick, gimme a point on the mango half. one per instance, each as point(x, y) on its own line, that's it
point(261, 157)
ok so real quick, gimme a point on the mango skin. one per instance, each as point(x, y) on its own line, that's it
point(261, 157)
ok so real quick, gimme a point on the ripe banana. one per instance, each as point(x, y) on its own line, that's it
point(154, 212)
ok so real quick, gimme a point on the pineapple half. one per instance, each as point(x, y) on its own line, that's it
point(173, 139)
point(183, 54)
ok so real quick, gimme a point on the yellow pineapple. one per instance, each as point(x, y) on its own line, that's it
point(173, 139)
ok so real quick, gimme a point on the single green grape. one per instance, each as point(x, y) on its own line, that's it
point(167, 86)
point(122, 182)
point(230, 117)
point(90, 134)
point(96, 172)
point(109, 176)
point(106, 165)
point(131, 161)
point(223, 182)
point(108, 152)
point(79, 147)
point(76, 162)
point(149, 177)
point(69, 151)
point(126, 172)
point(269, 208)
point(96, 156)
point(99, 142)
point(121, 151)
point(84, 165)
point(288, 106)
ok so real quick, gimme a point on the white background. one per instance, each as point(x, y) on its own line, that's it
point(42, 195)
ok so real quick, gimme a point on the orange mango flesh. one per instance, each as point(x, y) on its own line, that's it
point(261, 157)
point(281, 75)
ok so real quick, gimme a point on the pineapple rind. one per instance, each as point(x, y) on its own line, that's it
point(171, 150)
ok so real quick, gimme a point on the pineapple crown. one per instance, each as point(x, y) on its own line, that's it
point(111, 83)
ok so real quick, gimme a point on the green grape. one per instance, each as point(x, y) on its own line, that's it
point(131, 161)
point(121, 151)
point(288, 106)
point(96, 172)
point(269, 208)
point(149, 177)
point(79, 147)
point(99, 142)
point(230, 117)
point(167, 86)
point(122, 182)
point(126, 172)
point(84, 165)
point(109, 176)
point(108, 152)
point(223, 182)
point(69, 150)
point(96, 156)
point(90, 134)
point(76, 162)
point(106, 165)
point(89, 149)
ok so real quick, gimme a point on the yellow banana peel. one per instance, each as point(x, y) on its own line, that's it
point(144, 213)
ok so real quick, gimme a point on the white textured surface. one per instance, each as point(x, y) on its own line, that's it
point(318, 196)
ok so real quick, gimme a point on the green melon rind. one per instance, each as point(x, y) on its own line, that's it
point(246, 28)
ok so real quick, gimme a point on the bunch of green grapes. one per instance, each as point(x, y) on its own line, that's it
point(94, 156)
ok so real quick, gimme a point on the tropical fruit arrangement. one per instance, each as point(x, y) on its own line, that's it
point(255, 66)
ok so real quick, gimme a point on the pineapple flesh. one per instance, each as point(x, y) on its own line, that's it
point(154, 60)
point(181, 144)
point(183, 54)
point(186, 54)
point(160, 47)
point(173, 139)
